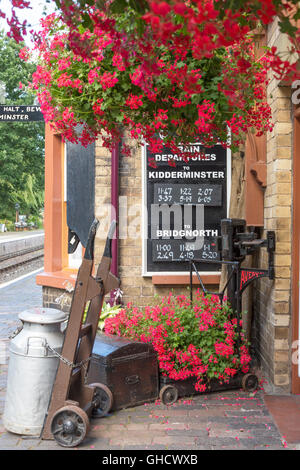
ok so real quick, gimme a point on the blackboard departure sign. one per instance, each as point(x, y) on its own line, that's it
point(20, 113)
point(185, 206)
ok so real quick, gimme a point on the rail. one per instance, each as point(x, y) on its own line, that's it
point(19, 261)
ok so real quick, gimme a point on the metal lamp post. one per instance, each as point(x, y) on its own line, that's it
point(17, 207)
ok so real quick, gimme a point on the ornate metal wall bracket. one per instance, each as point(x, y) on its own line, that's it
point(234, 245)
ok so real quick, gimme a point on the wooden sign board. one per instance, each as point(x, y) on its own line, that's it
point(20, 113)
point(184, 206)
point(80, 186)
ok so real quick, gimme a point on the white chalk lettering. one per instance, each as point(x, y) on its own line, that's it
point(186, 174)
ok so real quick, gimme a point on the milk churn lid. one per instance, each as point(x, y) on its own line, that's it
point(43, 315)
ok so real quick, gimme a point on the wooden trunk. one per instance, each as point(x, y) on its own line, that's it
point(128, 368)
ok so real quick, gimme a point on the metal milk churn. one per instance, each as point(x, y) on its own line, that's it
point(32, 369)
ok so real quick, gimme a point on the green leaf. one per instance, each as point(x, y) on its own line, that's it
point(118, 6)
point(119, 117)
point(87, 22)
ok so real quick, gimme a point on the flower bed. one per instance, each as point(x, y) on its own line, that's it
point(198, 340)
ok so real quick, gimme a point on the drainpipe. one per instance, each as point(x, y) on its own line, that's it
point(115, 212)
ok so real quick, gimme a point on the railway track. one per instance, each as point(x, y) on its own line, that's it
point(20, 262)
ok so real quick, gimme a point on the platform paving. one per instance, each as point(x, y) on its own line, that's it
point(231, 420)
point(9, 236)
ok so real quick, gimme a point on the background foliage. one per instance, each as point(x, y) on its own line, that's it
point(21, 144)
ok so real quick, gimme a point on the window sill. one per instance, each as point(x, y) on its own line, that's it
point(57, 279)
point(184, 279)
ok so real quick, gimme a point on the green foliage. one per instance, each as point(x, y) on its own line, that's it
point(9, 225)
point(107, 312)
point(21, 144)
point(234, 93)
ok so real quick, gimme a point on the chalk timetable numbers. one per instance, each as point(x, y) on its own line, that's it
point(163, 252)
point(176, 193)
point(180, 250)
point(164, 194)
point(185, 195)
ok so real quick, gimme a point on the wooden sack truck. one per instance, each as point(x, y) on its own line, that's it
point(72, 400)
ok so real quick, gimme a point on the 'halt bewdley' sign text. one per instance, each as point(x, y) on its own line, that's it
point(24, 113)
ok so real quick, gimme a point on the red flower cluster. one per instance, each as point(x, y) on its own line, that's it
point(191, 340)
point(108, 80)
point(183, 69)
point(134, 102)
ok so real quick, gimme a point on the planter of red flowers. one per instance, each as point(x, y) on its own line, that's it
point(200, 346)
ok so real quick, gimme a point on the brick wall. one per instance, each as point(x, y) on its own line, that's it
point(56, 298)
point(136, 289)
point(272, 313)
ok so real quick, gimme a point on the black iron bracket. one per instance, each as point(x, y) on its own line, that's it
point(239, 278)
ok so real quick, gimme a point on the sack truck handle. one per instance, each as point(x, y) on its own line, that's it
point(107, 249)
point(89, 250)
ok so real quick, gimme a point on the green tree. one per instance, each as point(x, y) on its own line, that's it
point(21, 144)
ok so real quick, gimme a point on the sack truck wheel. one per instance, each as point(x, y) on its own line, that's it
point(102, 400)
point(69, 426)
point(168, 395)
point(250, 382)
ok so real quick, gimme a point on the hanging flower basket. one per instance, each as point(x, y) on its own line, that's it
point(106, 79)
